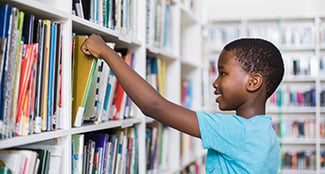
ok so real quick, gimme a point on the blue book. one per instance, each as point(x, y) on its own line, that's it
point(51, 77)
point(5, 11)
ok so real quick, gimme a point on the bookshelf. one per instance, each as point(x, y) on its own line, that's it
point(175, 49)
point(296, 107)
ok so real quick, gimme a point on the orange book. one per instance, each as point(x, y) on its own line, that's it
point(26, 70)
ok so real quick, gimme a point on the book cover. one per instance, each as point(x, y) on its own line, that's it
point(102, 86)
point(91, 103)
point(83, 73)
point(114, 141)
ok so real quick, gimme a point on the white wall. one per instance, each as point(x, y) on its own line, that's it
point(247, 9)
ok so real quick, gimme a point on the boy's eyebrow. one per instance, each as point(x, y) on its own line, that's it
point(220, 67)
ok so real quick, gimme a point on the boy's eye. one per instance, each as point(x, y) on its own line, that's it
point(222, 73)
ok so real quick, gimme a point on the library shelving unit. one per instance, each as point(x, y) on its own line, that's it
point(177, 37)
point(173, 37)
point(297, 105)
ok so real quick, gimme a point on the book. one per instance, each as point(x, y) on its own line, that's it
point(91, 103)
point(46, 62)
point(9, 71)
point(28, 28)
point(77, 152)
point(78, 7)
point(51, 77)
point(89, 159)
point(40, 39)
point(57, 121)
point(2, 54)
point(5, 170)
point(114, 141)
point(84, 67)
point(17, 72)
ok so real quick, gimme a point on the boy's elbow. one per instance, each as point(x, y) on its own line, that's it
point(150, 108)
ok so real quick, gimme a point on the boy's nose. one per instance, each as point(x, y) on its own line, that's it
point(215, 83)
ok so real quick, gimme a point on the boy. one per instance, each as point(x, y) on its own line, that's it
point(250, 70)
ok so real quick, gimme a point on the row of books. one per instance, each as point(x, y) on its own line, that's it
point(30, 73)
point(96, 93)
point(159, 24)
point(105, 152)
point(286, 35)
point(299, 160)
point(156, 73)
point(118, 15)
point(294, 129)
point(157, 145)
point(302, 66)
point(298, 34)
point(32, 159)
point(287, 96)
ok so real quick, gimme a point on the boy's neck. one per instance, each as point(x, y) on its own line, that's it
point(254, 110)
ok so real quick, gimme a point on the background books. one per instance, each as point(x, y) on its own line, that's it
point(105, 152)
point(30, 82)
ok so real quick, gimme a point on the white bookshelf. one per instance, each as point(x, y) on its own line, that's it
point(184, 60)
point(183, 57)
point(297, 38)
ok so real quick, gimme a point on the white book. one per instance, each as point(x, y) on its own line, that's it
point(13, 160)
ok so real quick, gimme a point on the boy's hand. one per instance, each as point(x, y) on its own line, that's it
point(94, 45)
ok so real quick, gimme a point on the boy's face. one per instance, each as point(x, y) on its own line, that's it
point(230, 85)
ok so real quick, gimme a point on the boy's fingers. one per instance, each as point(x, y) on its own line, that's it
point(85, 49)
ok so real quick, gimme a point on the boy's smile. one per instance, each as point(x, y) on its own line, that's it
point(230, 85)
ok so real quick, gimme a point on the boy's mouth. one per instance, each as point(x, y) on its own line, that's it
point(218, 95)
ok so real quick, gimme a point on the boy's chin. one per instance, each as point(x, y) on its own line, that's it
point(223, 108)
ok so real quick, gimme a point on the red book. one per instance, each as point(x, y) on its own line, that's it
point(26, 70)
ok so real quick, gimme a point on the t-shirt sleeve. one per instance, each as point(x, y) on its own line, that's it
point(222, 133)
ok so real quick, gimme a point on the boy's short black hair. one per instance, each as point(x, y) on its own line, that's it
point(259, 56)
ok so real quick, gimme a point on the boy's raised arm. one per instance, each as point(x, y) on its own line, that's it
point(150, 102)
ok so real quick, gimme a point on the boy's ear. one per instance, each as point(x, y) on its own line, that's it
point(254, 82)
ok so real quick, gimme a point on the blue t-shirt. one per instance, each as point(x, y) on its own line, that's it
point(239, 145)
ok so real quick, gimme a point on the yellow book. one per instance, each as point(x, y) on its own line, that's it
point(161, 64)
point(84, 67)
